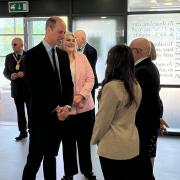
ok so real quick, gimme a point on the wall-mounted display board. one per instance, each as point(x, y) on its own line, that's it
point(164, 31)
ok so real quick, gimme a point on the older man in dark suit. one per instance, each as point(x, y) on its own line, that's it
point(49, 78)
point(148, 114)
point(15, 73)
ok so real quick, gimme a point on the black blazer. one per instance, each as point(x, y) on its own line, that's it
point(150, 109)
point(18, 86)
point(46, 92)
point(91, 55)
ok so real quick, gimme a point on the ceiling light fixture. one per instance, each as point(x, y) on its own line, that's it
point(103, 17)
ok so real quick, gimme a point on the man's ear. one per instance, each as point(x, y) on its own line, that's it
point(49, 29)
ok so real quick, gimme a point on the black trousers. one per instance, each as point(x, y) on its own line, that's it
point(93, 92)
point(43, 146)
point(78, 130)
point(20, 103)
point(135, 168)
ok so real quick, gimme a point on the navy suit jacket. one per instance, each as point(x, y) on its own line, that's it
point(150, 109)
point(91, 55)
point(45, 91)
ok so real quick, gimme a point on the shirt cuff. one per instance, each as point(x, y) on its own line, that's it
point(68, 106)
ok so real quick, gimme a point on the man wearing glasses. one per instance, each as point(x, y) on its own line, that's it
point(14, 72)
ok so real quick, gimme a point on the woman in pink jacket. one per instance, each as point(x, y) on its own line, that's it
point(78, 126)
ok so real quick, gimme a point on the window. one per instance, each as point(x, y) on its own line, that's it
point(153, 5)
point(36, 29)
point(9, 28)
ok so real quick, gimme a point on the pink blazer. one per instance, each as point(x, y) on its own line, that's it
point(83, 83)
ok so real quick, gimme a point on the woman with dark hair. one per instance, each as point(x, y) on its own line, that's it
point(114, 131)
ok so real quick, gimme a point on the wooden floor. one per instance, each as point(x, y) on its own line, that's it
point(13, 156)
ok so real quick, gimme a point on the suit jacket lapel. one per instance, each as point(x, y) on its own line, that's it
point(44, 61)
point(45, 55)
point(85, 49)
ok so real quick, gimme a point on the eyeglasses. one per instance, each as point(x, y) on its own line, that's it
point(136, 49)
point(14, 44)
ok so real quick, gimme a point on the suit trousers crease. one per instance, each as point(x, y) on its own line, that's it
point(23, 122)
point(44, 146)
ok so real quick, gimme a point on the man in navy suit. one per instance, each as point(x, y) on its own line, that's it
point(91, 55)
point(150, 109)
point(15, 73)
point(49, 78)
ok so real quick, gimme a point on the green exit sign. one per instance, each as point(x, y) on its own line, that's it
point(18, 6)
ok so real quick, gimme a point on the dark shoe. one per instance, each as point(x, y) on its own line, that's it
point(67, 178)
point(90, 176)
point(21, 136)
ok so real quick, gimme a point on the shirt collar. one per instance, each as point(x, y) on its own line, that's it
point(82, 47)
point(20, 53)
point(139, 60)
point(47, 46)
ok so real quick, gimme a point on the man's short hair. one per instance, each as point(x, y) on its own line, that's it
point(51, 22)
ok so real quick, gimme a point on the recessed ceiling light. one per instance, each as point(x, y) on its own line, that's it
point(103, 17)
point(168, 3)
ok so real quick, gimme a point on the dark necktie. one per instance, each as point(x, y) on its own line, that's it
point(55, 66)
point(18, 57)
point(79, 49)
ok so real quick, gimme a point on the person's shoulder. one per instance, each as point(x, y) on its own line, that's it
point(61, 51)
point(9, 55)
point(62, 54)
point(90, 47)
point(114, 84)
point(148, 64)
point(115, 89)
point(80, 55)
point(144, 64)
point(35, 48)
